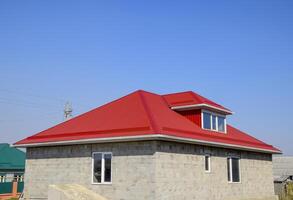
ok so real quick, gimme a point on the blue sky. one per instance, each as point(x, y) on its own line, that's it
point(237, 53)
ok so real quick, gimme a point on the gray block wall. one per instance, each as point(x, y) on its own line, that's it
point(132, 169)
point(150, 170)
point(180, 174)
point(282, 165)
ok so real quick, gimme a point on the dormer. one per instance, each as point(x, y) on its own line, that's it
point(213, 121)
point(205, 113)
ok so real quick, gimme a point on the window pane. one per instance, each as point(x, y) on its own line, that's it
point(97, 168)
point(2, 179)
point(228, 169)
point(235, 170)
point(207, 163)
point(221, 124)
point(107, 175)
point(206, 120)
point(214, 122)
point(15, 177)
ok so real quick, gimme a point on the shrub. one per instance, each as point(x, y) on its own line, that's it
point(288, 192)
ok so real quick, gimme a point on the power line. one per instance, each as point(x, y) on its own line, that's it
point(55, 115)
point(32, 95)
point(30, 105)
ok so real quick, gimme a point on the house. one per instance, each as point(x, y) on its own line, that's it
point(12, 162)
point(283, 175)
point(153, 147)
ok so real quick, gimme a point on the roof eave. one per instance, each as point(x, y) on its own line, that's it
point(149, 137)
point(202, 105)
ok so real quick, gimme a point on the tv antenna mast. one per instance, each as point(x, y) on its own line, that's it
point(67, 111)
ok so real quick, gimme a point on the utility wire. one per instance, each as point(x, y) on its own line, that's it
point(44, 97)
point(32, 95)
point(54, 115)
point(26, 105)
point(25, 102)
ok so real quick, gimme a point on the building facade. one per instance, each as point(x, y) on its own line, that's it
point(151, 170)
point(142, 147)
point(12, 164)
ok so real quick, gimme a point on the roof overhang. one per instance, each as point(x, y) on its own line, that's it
point(200, 106)
point(162, 137)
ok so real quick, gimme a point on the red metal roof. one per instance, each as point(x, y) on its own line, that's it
point(145, 114)
point(190, 98)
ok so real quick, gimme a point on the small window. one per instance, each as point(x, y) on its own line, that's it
point(2, 178)
point(213, 121)
point(206, 120)
point(102, 165)
point(18, 177)
point(233, 167)
point(207, 163)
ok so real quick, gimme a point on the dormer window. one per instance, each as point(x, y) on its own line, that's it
point(213, 121)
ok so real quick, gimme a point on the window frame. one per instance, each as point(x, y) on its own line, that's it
point(3, 178)
point(102, 169)
point(18, 177)
point(231, 170)
point(209, 163)
point(203, 119)
point(211, 121)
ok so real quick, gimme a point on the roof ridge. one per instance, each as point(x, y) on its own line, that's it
point(200, 97)
point(174, 93)
point(206, 100)
point(154, 126)
point(87, 112)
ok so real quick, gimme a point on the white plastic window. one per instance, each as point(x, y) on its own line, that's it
point(102, 167)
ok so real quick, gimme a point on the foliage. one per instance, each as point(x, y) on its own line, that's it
point(288, 192)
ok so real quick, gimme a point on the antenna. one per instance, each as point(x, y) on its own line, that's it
point(67, 111)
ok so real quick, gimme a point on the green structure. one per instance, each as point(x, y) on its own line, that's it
point(12, 164)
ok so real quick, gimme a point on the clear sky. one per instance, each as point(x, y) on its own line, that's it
point(237, 53)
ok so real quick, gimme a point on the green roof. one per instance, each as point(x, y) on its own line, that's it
point(11, 158)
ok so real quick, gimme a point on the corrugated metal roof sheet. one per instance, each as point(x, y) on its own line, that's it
point(140, 113)
point(283, 178)
point(11, 158)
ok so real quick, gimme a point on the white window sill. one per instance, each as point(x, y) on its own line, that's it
point(107, 183)
point(234, 182)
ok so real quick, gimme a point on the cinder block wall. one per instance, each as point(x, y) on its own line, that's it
point(133, 173)
point(150, 170)
point(180, 174)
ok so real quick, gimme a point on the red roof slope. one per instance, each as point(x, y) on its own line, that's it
point(140, 114)
point(189, 98)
